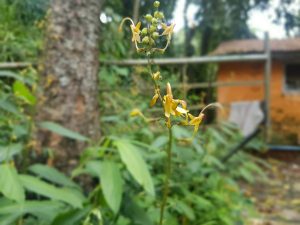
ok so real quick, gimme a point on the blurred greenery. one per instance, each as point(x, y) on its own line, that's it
point(21, 35)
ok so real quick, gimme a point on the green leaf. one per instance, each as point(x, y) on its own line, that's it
point(52, 174)
point(7, 152)
point(246, 175)
point(71, 217)
point(111, 181)
point(183, 208)
point(180, 132)
point(137, 213)
point(112, 184)
point(67, 195)
point(93, 168)
point(10, 185)
point(15, 76)
point(56, 128)
point(9, 107)
point(136, 165)
point(9, 219)
point(22, 91)
point(121, 70)
point(159, 142)
point(45, 210)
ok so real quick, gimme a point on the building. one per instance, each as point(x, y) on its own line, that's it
point(284, 85)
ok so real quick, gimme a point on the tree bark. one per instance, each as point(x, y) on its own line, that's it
point(69, 78)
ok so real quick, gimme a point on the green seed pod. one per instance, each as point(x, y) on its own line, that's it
point(158, 15)
point(144, 31)
point(152, 28)
point(155, 35)
point(152, 42)
point(161, 15)
point(154, 21)
point(156, 4)
point(145, 40)
point(148, 17)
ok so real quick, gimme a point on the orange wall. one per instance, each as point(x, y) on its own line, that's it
point(285, 107)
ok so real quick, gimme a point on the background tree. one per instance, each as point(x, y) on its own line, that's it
point(214, 22)
point(69, 77)
point(288, 14)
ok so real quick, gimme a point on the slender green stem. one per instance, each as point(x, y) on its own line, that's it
point(154, 81)
point(167, 179)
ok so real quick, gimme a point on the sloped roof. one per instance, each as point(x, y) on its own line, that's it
point(255, 46)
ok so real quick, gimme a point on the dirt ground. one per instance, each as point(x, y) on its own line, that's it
point(278, 199)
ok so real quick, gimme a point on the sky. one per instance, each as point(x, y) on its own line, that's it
point(259, 21)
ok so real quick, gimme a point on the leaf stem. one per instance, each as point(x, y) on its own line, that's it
point(168, 176)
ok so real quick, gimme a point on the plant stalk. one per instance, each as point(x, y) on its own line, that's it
point(168, 176)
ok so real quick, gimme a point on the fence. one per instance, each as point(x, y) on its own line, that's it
point(263, 57)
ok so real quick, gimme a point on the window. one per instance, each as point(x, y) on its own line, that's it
point(292, 78)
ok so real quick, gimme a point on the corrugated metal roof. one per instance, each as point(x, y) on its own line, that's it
point(255, 45)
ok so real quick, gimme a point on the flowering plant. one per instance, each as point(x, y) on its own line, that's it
point(147, 40)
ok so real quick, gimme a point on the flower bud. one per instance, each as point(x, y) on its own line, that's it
point(154, 21)
point(156, 76)
point(135, 112)
point(148, 17)
point(152, 42)
point(158, 15)
point(169, 89)
point(144, 31)
point(152, 29)
point(156, 4)
point(145, 40)
point(155, 35)
point(154, 100)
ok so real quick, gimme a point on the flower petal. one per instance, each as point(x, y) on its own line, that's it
point(154, 99)
point(181, 110)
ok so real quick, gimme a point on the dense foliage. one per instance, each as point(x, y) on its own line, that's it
point(21, 29)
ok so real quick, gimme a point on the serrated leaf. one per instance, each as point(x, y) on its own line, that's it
point(135, 164)
point(67, 195)
point(10, 185)
point(52, 174)
point(56, 128)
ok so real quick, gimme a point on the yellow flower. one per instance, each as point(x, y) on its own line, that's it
point(136, 32)
point(154, 99)
point(169, 102)
point(156, 76)
point(171, 105)
point(196, 121)
point(136, 112)
point(135, 29)
point(168, 30)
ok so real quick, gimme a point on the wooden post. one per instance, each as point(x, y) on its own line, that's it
point(136, 8)
point(184, 81)
point(267, 78)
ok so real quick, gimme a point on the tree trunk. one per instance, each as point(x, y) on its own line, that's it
point(69, 78)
